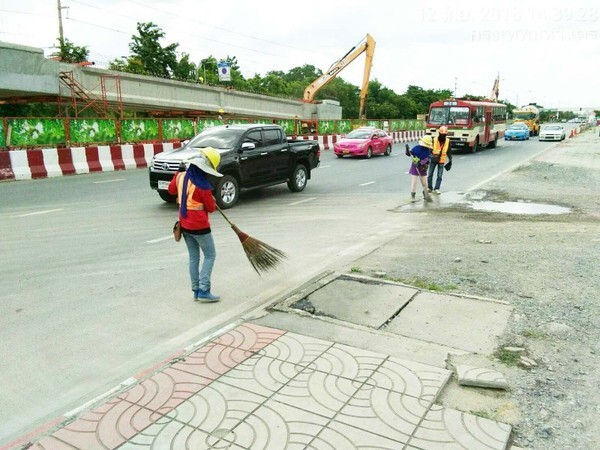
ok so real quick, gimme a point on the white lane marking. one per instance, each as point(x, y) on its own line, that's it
point(368, 183)
point(109, 181)
point(302, 201)
point(40, 212)
point(323, 167)
point(154, 241)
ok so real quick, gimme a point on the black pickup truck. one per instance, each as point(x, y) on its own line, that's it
point(252, 156)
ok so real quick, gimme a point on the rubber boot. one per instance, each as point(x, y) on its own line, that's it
point(426, 196)
point(413, 196)
point(207, 296)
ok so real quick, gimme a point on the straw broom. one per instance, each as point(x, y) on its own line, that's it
point(262, 256)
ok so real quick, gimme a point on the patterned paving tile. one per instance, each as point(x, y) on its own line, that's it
point(383, 412)
point(249, 337)
point(108, 426)
point(276, 426)
point(165, 390)
point(449, 429)
point(176, 436)
point(212, 360)
point(339, 436)
point(410, 378)
point(261, 375)
point(317, 392)
point(296, 349)
point(217, 407)
point(260, 388)
point(348, 362)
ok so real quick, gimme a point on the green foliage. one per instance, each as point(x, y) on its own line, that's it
point(71, 53)
point(86, 131)
point(177, 129)
point(533, 334)
point(423, 283)
point(506, 357)
point(36, 132)
point(157, 61)
point(29, 110)
point(137, 130)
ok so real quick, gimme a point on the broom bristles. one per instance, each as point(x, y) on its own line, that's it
point(262, 256)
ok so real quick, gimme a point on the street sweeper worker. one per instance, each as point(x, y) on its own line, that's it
point(196, 202)
point(419, 155)
point(439, 155)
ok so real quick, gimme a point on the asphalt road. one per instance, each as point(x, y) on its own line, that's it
point(94, 289)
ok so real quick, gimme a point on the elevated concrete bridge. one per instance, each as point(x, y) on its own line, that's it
point(26, 75)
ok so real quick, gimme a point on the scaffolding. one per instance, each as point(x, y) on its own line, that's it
point(82, 99)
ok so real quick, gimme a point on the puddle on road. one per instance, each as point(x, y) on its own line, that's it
point(475, 200)
point(519, 207)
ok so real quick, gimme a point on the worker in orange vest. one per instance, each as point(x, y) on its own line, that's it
point(439, 155)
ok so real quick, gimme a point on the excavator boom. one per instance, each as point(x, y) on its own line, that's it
point(367, 46)
point(495, 89)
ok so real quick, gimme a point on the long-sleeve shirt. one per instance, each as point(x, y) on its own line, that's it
point(197, 219)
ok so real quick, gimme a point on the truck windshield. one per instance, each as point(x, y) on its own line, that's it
point(525, 115)
point(449, 115)
point(217, 137)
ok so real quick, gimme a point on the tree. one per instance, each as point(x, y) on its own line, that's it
point(156, 60)
point(71, 53)
point(185, 70)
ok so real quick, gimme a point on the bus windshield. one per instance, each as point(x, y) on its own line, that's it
point(449, 115)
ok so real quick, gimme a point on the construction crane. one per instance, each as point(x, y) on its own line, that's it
point(367, 46)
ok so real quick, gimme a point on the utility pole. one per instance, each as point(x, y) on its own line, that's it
point(61, 38)
point(455, 86)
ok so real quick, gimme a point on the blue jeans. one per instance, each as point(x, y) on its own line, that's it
point(200, 277)
point(440, 173)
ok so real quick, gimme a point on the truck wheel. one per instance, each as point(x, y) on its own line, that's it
point(388, 150)
point(475, 145)
point(167, 197)
point(297, 181)
point(493, 143)
point(227, 192)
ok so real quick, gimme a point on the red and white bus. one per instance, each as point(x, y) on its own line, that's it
point(471, 124)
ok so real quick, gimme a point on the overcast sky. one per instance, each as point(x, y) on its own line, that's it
point(545, 51)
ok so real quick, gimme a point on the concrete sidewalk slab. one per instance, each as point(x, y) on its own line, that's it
point(257, 387)
point(357, 300)
point(468, 323)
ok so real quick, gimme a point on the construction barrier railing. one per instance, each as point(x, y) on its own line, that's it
point(35, 132)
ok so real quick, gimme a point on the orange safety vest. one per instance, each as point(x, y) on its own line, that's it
point(191, 188)
point(440, 151)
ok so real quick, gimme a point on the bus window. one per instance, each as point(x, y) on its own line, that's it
point(459, 115)
point(453, 115)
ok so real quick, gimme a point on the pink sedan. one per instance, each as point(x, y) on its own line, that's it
point(364, 142)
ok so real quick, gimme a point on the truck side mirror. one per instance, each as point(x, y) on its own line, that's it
point(248, 146)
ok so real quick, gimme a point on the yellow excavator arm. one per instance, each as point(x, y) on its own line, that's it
point(368, 46)
point(495, 90)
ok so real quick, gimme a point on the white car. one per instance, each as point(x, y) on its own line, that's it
point(552, 133)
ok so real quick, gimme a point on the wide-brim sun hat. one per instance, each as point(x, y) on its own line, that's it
point(207, 160)
point(426, 141)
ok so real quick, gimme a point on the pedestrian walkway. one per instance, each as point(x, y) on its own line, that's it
point(257, 387)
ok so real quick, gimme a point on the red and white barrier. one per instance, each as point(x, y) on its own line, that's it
point(53, 162)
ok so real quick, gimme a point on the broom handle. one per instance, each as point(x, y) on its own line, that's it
point(224, 216)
